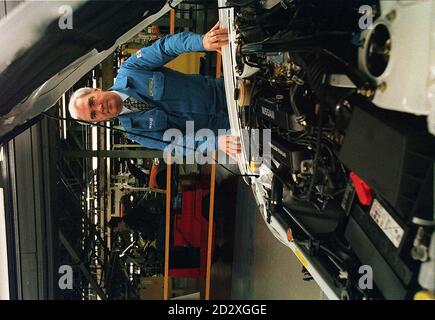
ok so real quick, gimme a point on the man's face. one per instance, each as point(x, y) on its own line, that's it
point(98, 106)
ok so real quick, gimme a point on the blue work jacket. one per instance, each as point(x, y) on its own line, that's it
point(176, 97)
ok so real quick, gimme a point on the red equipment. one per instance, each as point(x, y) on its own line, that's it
point(190, 229)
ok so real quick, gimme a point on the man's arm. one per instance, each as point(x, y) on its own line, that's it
point(164, 50)
point(169, 47)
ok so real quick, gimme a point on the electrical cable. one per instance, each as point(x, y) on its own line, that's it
point(169, 2)
point(307, 196)
point(148, 137)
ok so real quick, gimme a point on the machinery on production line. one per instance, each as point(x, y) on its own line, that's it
point(349, 110)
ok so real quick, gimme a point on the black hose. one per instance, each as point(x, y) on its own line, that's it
point(277, 188)
point(299, 224)
point(307, 195)
point(295, 108)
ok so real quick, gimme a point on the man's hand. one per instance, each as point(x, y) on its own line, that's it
point(230, 145)
point(215, 38)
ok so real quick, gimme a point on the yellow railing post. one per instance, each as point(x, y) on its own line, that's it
point(167, 229)
point(210, 228)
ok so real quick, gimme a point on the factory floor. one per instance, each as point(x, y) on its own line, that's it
point(253, 263)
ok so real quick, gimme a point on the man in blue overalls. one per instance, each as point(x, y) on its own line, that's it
point(167, 98)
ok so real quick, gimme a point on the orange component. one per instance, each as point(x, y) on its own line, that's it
point(218, 65)
point(210, 228)
point(155, 29)
point(171, 30)
point(289, 234)
point(172, 21)
point(153, 177)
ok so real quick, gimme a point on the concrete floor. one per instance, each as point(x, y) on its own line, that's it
point(276, 271)
point(261, 266)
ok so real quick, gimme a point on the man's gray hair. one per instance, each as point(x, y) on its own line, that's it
point(72, 107)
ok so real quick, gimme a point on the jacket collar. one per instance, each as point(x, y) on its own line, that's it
point(121, 85)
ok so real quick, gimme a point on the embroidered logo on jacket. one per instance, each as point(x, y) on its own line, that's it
point(139, 54)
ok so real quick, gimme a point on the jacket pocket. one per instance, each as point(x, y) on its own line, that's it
point(142, 84)
point(152, 120)
point(156, 85)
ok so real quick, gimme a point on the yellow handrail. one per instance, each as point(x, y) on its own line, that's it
point(167, 230)
point(210, 228)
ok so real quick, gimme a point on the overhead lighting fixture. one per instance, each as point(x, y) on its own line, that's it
point(108, 141)
point(63, 125)
point(94, 80)
point(94, 147)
